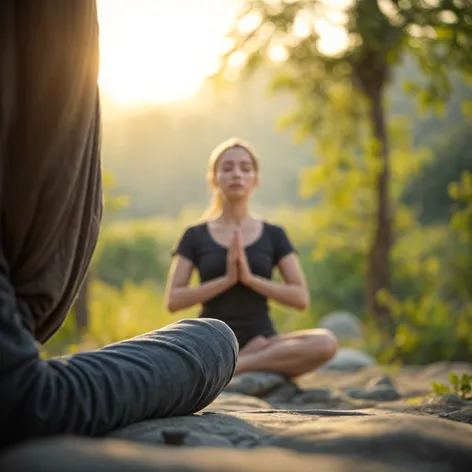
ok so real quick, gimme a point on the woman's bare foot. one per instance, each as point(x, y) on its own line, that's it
point(254, 345)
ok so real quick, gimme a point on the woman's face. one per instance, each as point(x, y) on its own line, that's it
point(236, 175)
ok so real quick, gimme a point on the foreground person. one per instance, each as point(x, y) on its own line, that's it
point(235, 254)
point(51, 207)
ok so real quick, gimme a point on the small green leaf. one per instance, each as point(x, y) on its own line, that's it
point(467, 108)
point(466, 387)
point(440, 389)
point(455, 381)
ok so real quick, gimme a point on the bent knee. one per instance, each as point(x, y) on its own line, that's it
point(211, 329)
point(216, 336)
point(220, 330)
point(323, 345)
point(217, 341)
point(213, 349)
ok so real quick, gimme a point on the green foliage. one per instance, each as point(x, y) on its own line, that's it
point(428, 193)
point(460, 386)
point(461, 220)
point(134, 258)
point(436, 323)
point(344, 179)
point(138, 250)
point(113, 202)
point(115, 315)
point(340, 104)
point(377, 36)
point(428, 329)
point(336, 282)
point(467, 108)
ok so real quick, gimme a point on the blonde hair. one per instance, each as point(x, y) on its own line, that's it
point(216, 203)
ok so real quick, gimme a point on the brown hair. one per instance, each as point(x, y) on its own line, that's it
point(216, 202)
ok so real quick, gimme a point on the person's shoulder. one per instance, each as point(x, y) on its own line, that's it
point(194, 229)
point(280, 240)
point(189, 239)
point(273, 227)
point(275, 231)
point(196, 226)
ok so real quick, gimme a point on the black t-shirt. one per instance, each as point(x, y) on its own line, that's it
point(243, 309)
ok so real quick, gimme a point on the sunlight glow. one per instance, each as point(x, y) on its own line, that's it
point(153, 51)
point(303, 26)
point(237, 59)
point(278, 53)
point(249, 23)
point(333, 38)
point(331, 27)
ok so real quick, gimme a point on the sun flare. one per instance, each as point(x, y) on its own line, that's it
point(157, 51)
point(153, 51)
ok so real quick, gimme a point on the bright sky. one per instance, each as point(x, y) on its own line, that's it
point(155, 51)
point(159, 50)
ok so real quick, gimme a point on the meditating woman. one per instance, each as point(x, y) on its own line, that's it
point(235, 254)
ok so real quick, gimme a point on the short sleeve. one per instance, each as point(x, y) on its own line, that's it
point(186, 246)
point(282, 244)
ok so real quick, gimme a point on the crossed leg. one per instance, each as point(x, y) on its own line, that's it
point(291, 354)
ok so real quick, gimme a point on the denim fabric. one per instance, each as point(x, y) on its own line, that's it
point(177, 370)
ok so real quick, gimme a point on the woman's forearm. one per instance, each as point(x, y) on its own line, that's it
point(292, 295)
point(180, 298)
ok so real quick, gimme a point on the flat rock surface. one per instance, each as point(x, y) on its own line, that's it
point(385, 418)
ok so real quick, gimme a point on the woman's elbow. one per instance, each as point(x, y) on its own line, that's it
point(303, 301)
point(173, 307)
point(171, 304)
point(302, 305)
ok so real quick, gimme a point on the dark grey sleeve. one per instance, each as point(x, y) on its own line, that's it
point(282, 244)
point(186, 246)
point(174, 371)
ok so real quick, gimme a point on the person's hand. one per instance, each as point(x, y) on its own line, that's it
point(245, 274)
point(232, 262)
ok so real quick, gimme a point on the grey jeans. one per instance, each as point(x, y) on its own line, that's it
point(177, 370)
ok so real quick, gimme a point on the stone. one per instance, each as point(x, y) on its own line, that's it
point(255, 383)
point(380, 389)
point(316, 395)
point(343, 324)
point(308, 431)
point(349, 359)
point(83, 454)
point(463, 415)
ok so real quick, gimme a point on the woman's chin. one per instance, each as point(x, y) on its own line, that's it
point(236, 195)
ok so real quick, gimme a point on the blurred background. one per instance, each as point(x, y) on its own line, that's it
point(360, 112)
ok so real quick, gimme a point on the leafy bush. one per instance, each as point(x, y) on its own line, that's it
point(134, 258)
point(436, 325)
point(461, 386)
point(115, 315)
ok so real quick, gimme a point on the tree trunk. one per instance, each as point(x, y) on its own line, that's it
point(82, 306)
point(378, 263)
